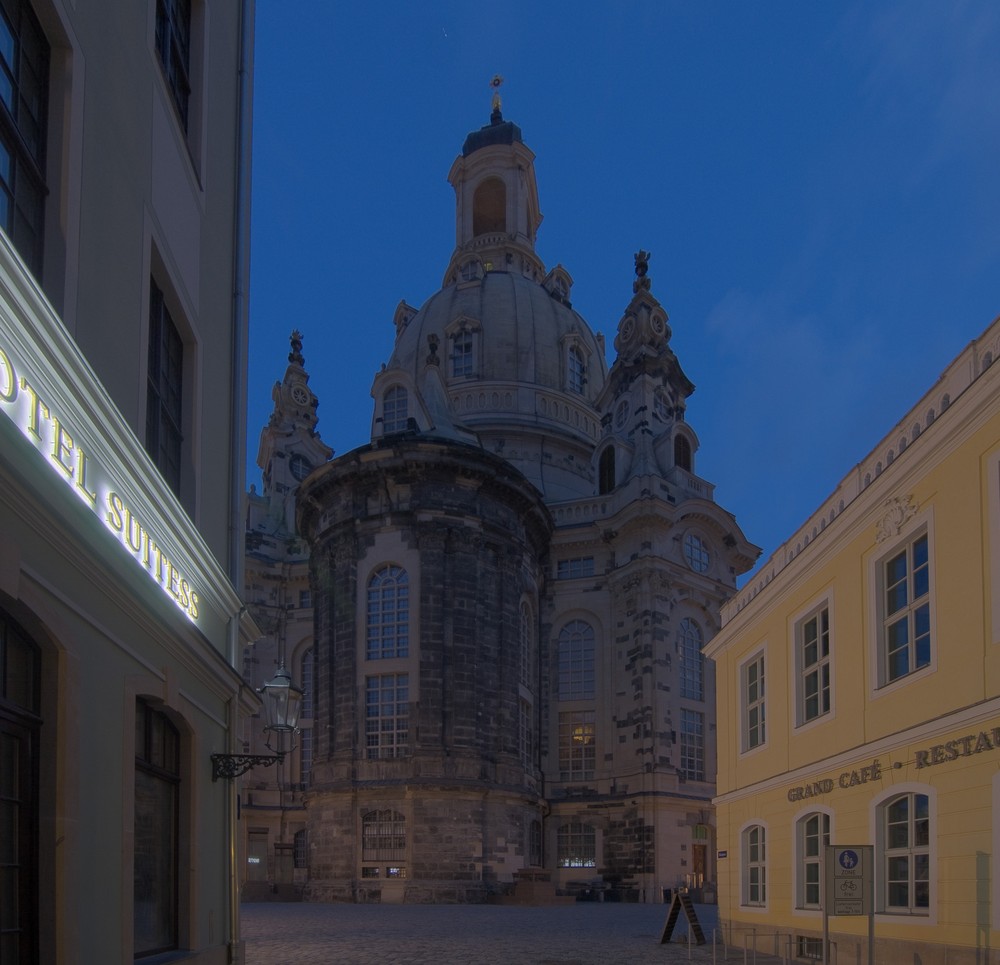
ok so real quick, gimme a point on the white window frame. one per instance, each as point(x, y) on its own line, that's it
point(757, 661)
point(747, 865)
point(878, 831)
point(801, 672)
point(803, 860)
point(918, 526)
point(993, 508)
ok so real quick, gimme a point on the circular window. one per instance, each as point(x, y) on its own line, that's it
point(696, 553)
point(299, 394)
point(661, 405)
point(299, 466)
point(621, 414)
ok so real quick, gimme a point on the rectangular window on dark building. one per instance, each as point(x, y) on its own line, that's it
point(164, 390)
point(173, 47)
point(24, 93)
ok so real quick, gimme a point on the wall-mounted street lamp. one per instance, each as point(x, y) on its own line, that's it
point(282, 700)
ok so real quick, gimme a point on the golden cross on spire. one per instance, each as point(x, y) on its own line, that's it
point(495, 84)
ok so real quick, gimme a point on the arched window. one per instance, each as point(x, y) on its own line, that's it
point(576, 661)
point(692, 660)
point(527, 647)
point(606, 471)
point(576, 846)
point(575, 370)
point(682, 453)
point(388, 633)
point(489, 207)
point(395, 409)
point(812, 833)
point(905, 833)
point(754, 861)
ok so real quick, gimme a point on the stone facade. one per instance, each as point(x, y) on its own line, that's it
point(512, 584)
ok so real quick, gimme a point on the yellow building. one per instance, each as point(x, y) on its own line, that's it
point(858, 682)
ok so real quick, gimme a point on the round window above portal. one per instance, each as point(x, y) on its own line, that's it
point(696, 553)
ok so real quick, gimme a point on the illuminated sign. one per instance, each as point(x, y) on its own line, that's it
point(46, 431)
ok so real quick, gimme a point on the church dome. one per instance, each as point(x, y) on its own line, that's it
point(498, 357)
point(524, 333)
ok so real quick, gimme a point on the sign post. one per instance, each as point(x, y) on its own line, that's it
point(849, 890)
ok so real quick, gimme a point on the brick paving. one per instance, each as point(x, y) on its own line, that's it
point(579, 934)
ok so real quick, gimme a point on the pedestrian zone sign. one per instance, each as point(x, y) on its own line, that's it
point(849, 889)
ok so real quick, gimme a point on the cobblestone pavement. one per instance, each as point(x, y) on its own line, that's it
point(578, 934)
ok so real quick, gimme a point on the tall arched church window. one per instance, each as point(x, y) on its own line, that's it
point(682, 453)
point(576, 661)
point(489, 207)
point(692, 660)
point(606, 471)
point(575, 370)
point(527, 647)
point(388, 618)
point(395, 404)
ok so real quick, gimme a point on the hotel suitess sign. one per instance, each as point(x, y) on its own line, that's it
point(45, 429)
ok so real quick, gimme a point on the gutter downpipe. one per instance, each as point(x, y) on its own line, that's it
point(240, 306)
point(237, 469)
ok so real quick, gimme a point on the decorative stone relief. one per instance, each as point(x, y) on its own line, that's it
point(898, 510)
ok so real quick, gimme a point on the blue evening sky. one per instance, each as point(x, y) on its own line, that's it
point(817, 183)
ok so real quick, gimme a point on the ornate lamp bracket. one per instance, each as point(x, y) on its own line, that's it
point(233, 765)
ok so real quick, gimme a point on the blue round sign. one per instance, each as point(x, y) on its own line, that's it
point(848, 859)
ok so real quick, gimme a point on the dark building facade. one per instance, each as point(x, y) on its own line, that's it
point(512, 585)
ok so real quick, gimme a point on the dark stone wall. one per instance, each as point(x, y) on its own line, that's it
point(480, 532)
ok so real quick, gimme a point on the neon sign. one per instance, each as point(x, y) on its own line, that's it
point(47, 432)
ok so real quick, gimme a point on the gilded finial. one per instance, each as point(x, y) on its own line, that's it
point(495, 85)
point(295, 356)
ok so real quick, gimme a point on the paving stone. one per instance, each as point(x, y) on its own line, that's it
point(578, 934)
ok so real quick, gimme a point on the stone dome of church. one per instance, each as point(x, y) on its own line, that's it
point(523, 331)
point(498, 357)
